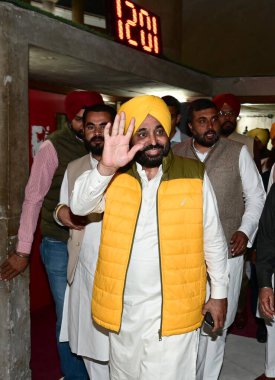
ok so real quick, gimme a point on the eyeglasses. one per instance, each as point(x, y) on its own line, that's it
point(226, 113)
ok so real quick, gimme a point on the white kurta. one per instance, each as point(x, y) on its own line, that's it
point(137, 352)
point(85, 337)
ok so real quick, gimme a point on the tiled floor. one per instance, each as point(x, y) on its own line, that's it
point(244, 358)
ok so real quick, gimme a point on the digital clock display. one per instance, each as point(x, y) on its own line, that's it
point(135, 26)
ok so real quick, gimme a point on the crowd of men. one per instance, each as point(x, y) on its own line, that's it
point(144, 244)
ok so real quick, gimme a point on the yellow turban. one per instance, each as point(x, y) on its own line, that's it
point(142, 106)
point(272, 131)
point(261, 134)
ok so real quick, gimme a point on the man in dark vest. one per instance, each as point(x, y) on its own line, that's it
point(42, 190)
point(240, 197)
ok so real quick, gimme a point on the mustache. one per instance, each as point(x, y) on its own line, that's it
point(96, 139)
point(213, 132)
point(149, 147)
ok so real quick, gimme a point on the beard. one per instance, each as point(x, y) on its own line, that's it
point(95, 145)
point(152, 161)
point(227, 128)
point(204, 141)
point(79, 134)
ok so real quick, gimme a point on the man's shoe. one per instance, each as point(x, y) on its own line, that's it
point(263, 377)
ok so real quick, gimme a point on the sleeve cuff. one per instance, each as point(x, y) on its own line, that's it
point(101, 179)
point(219, 292)
point(24, 247)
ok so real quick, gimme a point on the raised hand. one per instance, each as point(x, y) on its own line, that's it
point(116, 152)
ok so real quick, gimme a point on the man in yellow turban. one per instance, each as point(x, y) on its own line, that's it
point(261, 134)
point(160, 227)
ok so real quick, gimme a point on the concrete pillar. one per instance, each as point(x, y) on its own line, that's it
point(14, 295)
point(78, 11)
point(171, 24)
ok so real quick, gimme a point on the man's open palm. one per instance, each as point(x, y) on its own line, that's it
point(116, 152)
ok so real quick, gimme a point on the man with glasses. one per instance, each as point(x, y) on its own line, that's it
point(229, 108)
point(85, 337)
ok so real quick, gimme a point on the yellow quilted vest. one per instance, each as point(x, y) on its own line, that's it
point(182, 265)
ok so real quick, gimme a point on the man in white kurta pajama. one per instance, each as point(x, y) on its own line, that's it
point(86, 339)
point(240, 197)
point(139, 351)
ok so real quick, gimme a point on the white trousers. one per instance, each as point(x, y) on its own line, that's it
point(210, 356)
point(211, 348)
point(172, 358)
point(270, 350)
point(97, 370)
point(136, 353)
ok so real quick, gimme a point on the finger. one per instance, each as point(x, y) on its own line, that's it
point(241, 249)
point(131, 128)
point(9, 274)
point(116, 125)
point(271, 303)
point(122, 123)
point(233, 238)
point(106, 131)
point(77, 227)
point(217, 325)
point(266, 312)
point(237, 247)
point(4, 266)
point(220, 323)
point(234, 250)
point(134, 150)
point(265, 306)
point(238, 252)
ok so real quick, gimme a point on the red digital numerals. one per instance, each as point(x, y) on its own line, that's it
point(137, 27)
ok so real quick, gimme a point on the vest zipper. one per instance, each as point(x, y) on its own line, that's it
point(160, 269)
point(129, 263)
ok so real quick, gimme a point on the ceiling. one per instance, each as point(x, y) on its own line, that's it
point(48, 69)
point(222, 41)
